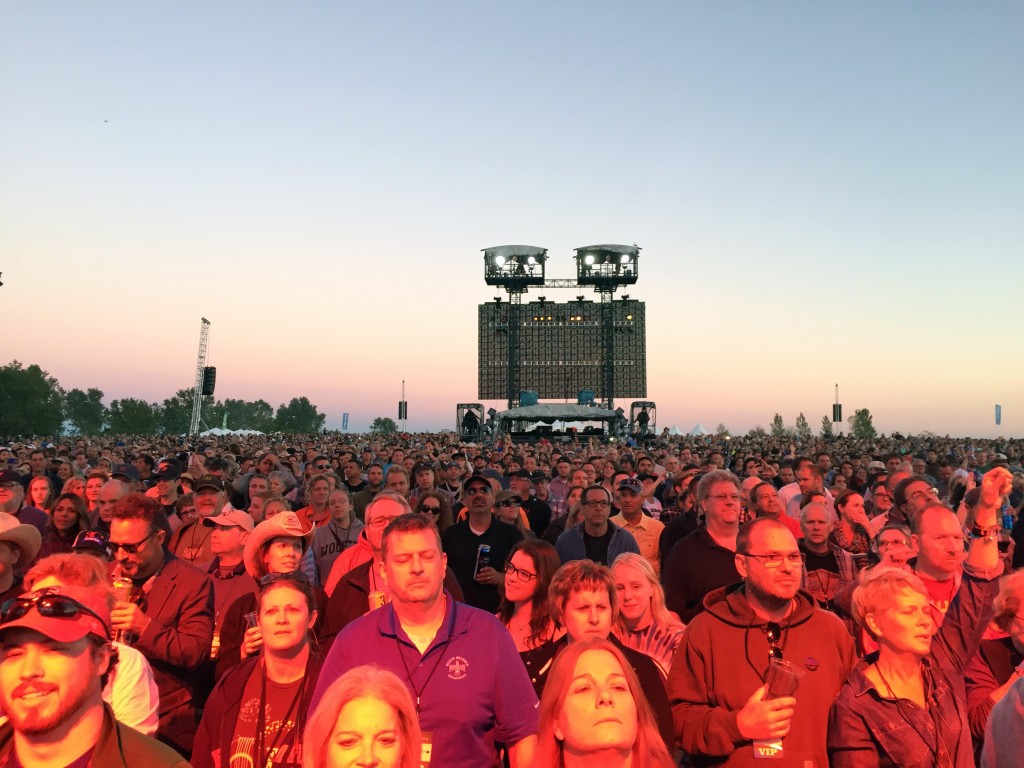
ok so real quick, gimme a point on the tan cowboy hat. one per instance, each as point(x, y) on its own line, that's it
point(26, 537)
point(283, 524)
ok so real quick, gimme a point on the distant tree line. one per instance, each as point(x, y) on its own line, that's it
point(32, 402)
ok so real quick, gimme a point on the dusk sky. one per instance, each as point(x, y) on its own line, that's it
point(823, 192)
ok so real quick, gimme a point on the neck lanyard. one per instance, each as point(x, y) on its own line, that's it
point(263, 751)
point(440, 655)
point(332, 527)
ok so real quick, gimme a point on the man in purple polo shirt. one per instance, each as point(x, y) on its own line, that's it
point(460, 664)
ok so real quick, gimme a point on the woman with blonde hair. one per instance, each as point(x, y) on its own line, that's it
point(75, 485)
point(594, 713)
point(644, 623)
point(366, 717)
point(905, 705)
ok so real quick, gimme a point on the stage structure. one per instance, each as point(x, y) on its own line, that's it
point(562, 350)
point(197, 394)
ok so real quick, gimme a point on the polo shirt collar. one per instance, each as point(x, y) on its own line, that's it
point(454, 623)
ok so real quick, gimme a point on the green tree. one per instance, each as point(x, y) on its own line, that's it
point(758, 431)
point(721, 430)
point(803, 429)
point(245, 414)
point(176, 411)
point(778, 427)
point(31, 401)
point(130, 416)
point(299, 417)
point(861, 426)
point(85, 410)
point(383, 425)
point(826, 427)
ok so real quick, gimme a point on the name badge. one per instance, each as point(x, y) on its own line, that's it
point(426, 749)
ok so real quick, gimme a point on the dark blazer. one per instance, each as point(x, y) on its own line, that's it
point(351, 599)
point(176, 643)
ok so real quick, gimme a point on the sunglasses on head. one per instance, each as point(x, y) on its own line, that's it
point(272, 578)
point(50, 606)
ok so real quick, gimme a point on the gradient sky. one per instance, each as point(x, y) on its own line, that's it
point(824, 192)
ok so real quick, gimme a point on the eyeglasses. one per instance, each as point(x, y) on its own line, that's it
point(381, 522)
point(508, 503)
point(774, 633)
point(882, 544)
point(724, 497)
point(9, 486)
point(49, 605)
point(430, 510)
point(131, 549)
point(597, 504)
point(477, 490)
point(322, 466)
point(924, 493)
point(272, 578)
point(519, 572)
point(774, 560)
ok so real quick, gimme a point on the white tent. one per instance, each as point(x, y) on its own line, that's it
point(698, 429)
point(218, 432)
point(674, 430)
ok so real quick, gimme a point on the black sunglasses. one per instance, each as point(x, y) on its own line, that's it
point(131, 549)
point(430, 510)
point(272, 578)
point(50, 606)
point(774, 633)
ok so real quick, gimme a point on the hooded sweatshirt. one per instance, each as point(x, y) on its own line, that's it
point(722, 661)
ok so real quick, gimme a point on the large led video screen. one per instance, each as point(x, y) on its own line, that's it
point(561, 349)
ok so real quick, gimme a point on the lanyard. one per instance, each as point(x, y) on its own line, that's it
point(440, 655)
point(263, 752)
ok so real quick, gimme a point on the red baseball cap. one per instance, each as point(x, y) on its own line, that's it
point(45, 612)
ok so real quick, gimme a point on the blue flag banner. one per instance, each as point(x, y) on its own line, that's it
point(999, 414)
point(344, 422)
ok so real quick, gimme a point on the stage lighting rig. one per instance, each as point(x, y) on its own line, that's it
point(606, 267)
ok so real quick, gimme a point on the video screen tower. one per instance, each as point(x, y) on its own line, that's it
point(562, 349)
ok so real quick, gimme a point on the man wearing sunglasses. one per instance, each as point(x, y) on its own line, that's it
point(717, 680)
point(55, 656)
point(169, 615)
point(479, 577)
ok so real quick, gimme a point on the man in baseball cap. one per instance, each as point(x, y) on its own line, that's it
point(54, 660)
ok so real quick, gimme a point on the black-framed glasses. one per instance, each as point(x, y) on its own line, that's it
point(322, 466)
point(774, 559)
point(51, 606)
point(131, 549)
point(519, 572)
point(430, 510)
point(272, 578)
point(774, 632)
point(477, 489)
point(597, 504)
point(508, 503)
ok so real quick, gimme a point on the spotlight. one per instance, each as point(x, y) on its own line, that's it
point(531, 260)
point(499, 260)
point(589, 259)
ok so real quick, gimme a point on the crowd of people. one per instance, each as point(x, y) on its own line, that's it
point(414, 600)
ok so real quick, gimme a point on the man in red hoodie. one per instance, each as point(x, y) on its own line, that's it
point(717, 680)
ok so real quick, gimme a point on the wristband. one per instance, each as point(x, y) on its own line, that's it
point(983, 532)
